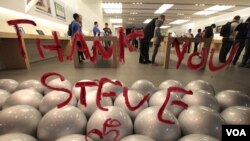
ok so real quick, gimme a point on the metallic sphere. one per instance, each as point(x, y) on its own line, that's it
point(144, 87)
point(9, 85)
point(147, 123)
point(198, 137)
point(134, 99)
point(24, 97)
point(137, 138)
point(98, 118)
point(229, 98)
point(16, 137)
point(201, 120)
point(52, 99)
point(237, 115)
point(35, 84)
point(200, 85)
point(61, 122)
point(19, 119)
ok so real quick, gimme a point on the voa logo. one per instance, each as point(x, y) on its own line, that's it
point(236, 132)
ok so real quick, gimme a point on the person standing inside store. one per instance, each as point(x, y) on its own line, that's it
point(157, 39)
point(209, 33)
point(241, 34)
point(228, 38)
point(107, 32)
point(96, 30)
point(189, 34)
point(246, 57)
point(197, 36)
point(144, 42)
point(75, 27)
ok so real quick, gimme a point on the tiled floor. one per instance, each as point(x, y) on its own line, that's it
point(231, 77)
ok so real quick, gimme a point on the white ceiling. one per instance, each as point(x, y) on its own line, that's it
point(182, 9)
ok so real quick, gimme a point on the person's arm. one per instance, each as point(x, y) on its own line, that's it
point(158, 34)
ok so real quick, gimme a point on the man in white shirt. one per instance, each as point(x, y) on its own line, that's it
point(227, 41)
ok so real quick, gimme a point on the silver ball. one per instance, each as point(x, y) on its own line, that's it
point(237, 115)
point(198, 137)
point(108, 87)
point(19, 119)
point(144, 87)
point(202, 98)
point(134, 99)
point(16, 137)
point(98, 118)
point(229, 98)
point(61, 122)
point(24, 97)
point(158, 98)
point(57, 83)
point(73, 137)
point(52, 99)
point(3, 97)
point(137, 138)
point(201, 120)
point(170, 83)
point(91, 103)
point(35, 84)
point(9, 85)
point(200, 85)
point(76, 91)
point(147, 123)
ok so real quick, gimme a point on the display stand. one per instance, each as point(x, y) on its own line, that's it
point(169, 41)
point(10, 53)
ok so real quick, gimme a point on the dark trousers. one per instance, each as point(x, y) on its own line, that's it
point(196, 46)
point(241, 47)
point(144, 51)
point(226, 46)
point(246, 55)
point(156, 47)
point(80, 54)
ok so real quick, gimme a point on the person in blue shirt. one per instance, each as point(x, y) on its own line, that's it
point(246, 57)
point(96, 30)
point(76, 26)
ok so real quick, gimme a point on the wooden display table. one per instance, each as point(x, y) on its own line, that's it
point(169, 41)
point(9, 50)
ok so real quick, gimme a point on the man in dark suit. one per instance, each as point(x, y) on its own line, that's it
point(144, 42)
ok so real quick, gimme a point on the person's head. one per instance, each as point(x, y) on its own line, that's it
point(213, 25)
point(189, 30)
point(158, 23)
point(236, 18)
point(248, 20)
point(199, 30)
point(77, 17)
point(161, 17)
point(106, 25)
point(96, 23)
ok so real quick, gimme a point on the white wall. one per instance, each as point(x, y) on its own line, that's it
point(90, 10)
point(218, 20)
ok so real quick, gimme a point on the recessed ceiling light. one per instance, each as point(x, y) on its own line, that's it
point(111, 8)
point(180, 14)
point(214, 9)
point(137, 3)
point(147, 21)
point(116, 21)
point(163, 8)
point(179, 21)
